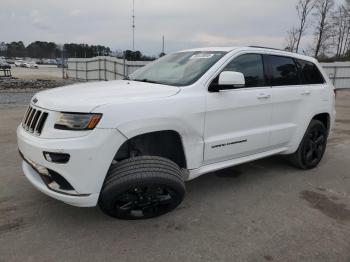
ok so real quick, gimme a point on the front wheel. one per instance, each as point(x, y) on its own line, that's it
point(142, 187)
point(312, 147)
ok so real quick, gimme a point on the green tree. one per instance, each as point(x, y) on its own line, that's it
point(39, 49)
point(16, 49)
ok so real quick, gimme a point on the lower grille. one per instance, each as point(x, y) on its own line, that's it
point(34, 120)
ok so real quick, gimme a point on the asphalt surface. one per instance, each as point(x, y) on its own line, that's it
point(260, 211)
point(15, 98)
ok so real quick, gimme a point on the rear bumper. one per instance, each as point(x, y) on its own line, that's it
point(90, 159)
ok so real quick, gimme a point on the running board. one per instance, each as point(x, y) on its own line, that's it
point(194, 173)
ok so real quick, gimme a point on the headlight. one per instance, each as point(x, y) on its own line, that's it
point(77, 121)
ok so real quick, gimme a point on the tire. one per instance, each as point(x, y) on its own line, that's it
point(312, 147)
point(142, 187)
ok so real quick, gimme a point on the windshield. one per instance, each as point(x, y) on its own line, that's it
point(179, 69)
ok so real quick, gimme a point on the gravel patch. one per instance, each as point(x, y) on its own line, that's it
point(14, 84)
point(15, 91)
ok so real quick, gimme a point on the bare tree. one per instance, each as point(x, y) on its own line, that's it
point(341, 29)
point(292, 40)
point(347, 29)
point(323, 24)
point(304, 8)
point(346, 41)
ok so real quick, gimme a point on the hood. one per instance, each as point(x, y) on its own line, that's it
point(87, 96)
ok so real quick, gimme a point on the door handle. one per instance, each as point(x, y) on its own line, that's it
point(306, 93)
point(264, 96)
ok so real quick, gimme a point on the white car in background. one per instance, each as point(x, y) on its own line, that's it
point(26, 64)
point(19, 63)
point(130, 145)
point(32, 65)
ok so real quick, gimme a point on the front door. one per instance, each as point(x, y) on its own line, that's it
point(237, 121)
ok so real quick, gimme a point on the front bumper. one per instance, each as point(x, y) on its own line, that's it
point(37, 182)
point(90, 159)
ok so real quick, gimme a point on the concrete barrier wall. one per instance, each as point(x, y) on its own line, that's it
point(101, 68)
point(339, 73)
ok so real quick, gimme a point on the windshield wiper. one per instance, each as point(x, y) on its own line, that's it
point(146, 81)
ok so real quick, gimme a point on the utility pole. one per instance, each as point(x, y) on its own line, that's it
point(163, 46)
point(62, 54)
point(133, 25)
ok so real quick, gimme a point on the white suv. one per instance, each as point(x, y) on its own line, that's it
point(129, 145)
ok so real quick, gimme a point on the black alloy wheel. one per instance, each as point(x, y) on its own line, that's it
point(142, 187)
point(312, 147)
point(146, 201)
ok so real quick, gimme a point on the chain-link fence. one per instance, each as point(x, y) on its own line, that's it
point(101, 68)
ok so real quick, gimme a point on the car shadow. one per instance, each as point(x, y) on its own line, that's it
point(200, 189)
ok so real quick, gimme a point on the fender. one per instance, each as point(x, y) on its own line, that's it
point(299, 134)
point(183, 113)
point(192, 140)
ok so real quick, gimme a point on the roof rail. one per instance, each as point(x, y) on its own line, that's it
point(253, 46)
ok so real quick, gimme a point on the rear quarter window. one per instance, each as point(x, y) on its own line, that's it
point(309, 73)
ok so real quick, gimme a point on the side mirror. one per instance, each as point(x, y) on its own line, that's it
point(235, 79)
point(228, 80)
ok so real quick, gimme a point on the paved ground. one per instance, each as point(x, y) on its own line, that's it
point(15, 98)
point(261, 211)
point(49, 72)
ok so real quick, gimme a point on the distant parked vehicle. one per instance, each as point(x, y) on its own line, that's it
point(4, 65)
point(32, 65)
point(48, 61)
point(10, 61)
point(62, 63)
point(62, 66)
point(19, 63)
point(25, 64)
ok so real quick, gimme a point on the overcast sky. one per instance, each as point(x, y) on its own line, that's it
point(184, 23)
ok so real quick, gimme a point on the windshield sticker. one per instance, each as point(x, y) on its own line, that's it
point(202, 56)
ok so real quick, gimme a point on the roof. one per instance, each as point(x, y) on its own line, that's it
point(252, 48)
point(223, 49)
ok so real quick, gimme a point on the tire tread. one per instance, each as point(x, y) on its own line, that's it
point(134, 171)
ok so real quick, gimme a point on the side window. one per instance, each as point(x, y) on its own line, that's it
point(309, 73)
point(283, 71)
point(251, 66)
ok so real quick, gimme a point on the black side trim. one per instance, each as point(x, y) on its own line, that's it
point(230, 144)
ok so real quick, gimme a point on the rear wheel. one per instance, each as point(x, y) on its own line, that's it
point(312, 147)
point(142, 187)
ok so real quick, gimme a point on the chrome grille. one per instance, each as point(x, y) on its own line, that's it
point(34, 120)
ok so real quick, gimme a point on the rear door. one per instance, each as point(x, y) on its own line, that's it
point(292, 98)
point(237, 121)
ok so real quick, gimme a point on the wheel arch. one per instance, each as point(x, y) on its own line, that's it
point(163, 143)
point(325, 118)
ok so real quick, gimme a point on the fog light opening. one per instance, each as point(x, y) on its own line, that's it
point(59, 158)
